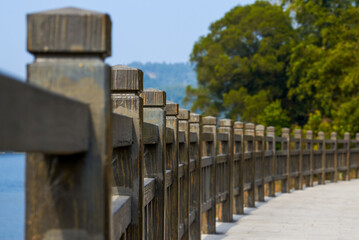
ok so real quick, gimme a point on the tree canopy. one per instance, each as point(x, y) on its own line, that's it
point(281, 64)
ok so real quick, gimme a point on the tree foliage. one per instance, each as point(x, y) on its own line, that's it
point(291, 64)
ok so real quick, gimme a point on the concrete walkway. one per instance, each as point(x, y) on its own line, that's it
point(329, 211)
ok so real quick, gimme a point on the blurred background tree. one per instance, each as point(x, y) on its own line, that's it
point(294, 63)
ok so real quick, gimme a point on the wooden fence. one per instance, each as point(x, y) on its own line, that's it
point(109, 160)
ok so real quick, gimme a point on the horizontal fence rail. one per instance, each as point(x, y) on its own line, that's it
point(107, 159)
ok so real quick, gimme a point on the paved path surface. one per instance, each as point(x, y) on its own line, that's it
point(329, 211)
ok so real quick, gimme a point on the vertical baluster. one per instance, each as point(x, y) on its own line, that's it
point(261, 147)
point(299, 146)
point(347, 157)
point(154, 102)
point(172, 165)
point(309, 136)
point(196, 177)
point(183, 124)
point(209, 217)
point(272, 147)
point(286, 148)
point(126, 85)
point(239, 149)
point(249, 130)
point(69, 196)
point(321, 146)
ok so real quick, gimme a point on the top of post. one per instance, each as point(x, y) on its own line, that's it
point(124, 78)
point(260, 130)
point(357, 137)
point(249, 129)
point(226, 123)
point(321, 135)
point(69, 30)
point(153, 98)
point(346, 136)
point(171, 108)
point(183, 114)
point(309, 134)
point(195, 118)
point(333, 136)
point(285, 132)
point(238, 125)
point(209, 120)
point(271, 131)
point(298, 133)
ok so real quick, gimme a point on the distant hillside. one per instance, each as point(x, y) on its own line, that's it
point(172, 78)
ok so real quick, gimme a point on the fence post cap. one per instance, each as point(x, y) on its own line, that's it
point(226, 123)
point(171, 108)
point(298, 133)
point(238, 125)
point(126, 78)
point(357, 137)
point(183, 114)
point(271, 131)
point(260, 130)
point(69, 30)
point(346, 136)
point(209, 120)
point(249, 126)
point(309, 134)
point(153, 98)
point(195, 118)
point(321, 135)
point(333, 136)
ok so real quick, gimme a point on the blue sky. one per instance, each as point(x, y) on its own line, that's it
point(142, 30)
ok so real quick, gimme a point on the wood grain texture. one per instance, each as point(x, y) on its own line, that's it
point(69, 30)
point(121, 215)
point(121, 131)
point(209, 146)
point(172, 162)
point(35, 120)
point(155, 160)
point(72, 192)
point(128, 166)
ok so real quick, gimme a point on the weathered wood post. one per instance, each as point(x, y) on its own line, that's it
point(272, 147)
point(321, 176)
point(309, 137)
point(347, 159)
point(239, 151)
point(249, 130)
point(286, 148)
point(260, 148)
point(184, 173)
point(357, 155)
point(69, 196)
point(195, 175)
point(126, 85)
point(299, 146)
point(334, 147)
point(209, 151)
point(154, 102)
point(172, 179)
point(226, 210)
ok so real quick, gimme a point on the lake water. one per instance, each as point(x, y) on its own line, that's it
point(12, 196)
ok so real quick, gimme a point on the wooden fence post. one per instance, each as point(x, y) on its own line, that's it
point(209, 151)
point(334, 147)
point(126, 85)
point(309, 136)
point(260, 147)
point(154, 102)
point(184, 173)
point(299, 146)
point(357, 155)
point(347, 159)
point(172, 209)
point(321, 177)
point(226, 211)
point(69, 196)
point(239, 150)
point(272, 147)
point(195, 175)
point(286, 147)
point(249, 130)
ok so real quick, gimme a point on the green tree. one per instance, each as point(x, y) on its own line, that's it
point(246, 52)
